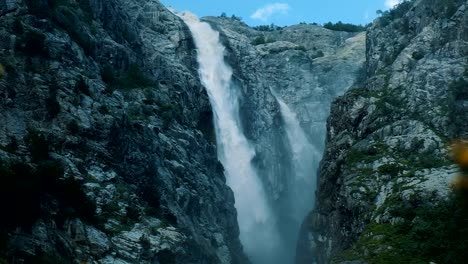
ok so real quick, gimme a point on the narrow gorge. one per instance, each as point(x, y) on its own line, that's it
point(132, 133)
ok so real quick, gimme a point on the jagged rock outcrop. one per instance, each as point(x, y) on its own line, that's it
point(384, 191)
point(103, 98)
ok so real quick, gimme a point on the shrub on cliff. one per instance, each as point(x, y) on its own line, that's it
point(2, 71)
point(271, 27)
point(32, 44)
point(38, 145)
point(449, 7)
point(82, 87)
point(131, 78)
point(340, 26)
point(52, 105)
point(261, 40)
point(28, 190)
point(258, 40)
point(134, 78)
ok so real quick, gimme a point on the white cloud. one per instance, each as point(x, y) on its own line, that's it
point(267, 11)
point(391, 3)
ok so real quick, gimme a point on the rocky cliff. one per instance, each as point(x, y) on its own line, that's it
point(384, 193)
point(108, 154)
point(106, 141)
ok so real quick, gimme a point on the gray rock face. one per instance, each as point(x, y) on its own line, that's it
point(299, 64)
point(113, 88)
point(387, 139)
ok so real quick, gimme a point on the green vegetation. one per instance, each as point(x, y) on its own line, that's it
point(236, 17)
point(271, 27)
point(386, 17)
point(224, 15)
point(72, 16)
point(32, 44)
point(82, 87)
point(166, 256)
point(392, 169)
point(371, 154)
point(261, 40)
point(406, 161)
point(17, 26)
point(104, 110)
point(340, 26)
point(107, 75)
point(361, 75)
point(389, 102)
point(114, 209)
point(73, 127)
point(26, 189)
point(417, 55)
point(2, 71)
point(404, 25)
point(12, 146)
point(52, 105)
point(430, 233)
point(459, 89)
point(38, 145)
point(449, 7)
point(455, 107)
point(318, 54)
point(169, 112)
point(301, 48)
point(132, 78)
point(46, 258)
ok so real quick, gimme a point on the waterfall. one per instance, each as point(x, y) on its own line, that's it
point(304, 158)
point(258, 231)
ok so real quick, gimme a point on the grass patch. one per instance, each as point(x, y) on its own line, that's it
point(368, 155)
point(392, 169)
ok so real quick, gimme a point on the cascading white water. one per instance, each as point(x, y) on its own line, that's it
point(258, 232)
point(305, 158)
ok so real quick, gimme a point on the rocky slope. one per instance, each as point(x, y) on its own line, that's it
point(384, 193)
point(106, 145)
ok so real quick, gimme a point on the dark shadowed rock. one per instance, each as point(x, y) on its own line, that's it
point(113, 88)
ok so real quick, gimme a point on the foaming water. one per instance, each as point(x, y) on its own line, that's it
point(305, 158)
point(302, 181)
point(258, 232)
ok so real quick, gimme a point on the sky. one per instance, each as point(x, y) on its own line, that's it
point(286, 12)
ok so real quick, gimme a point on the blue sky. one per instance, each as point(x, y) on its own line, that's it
point(287, 12)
